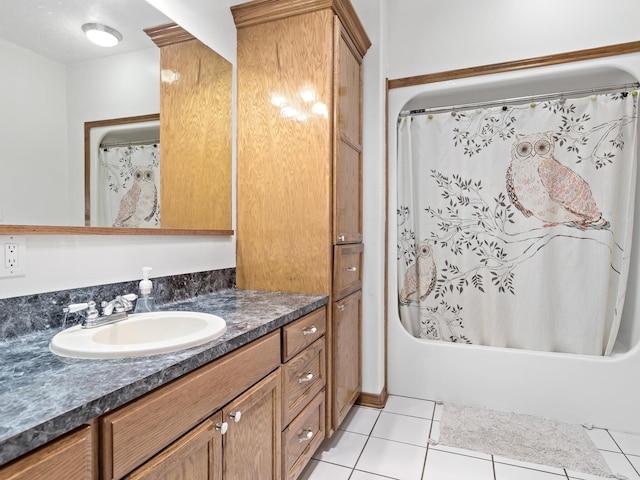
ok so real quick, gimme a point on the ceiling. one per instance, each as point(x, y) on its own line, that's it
point(53, 27)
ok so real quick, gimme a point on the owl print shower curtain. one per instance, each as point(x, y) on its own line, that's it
point(129, 179)
point(515, 223)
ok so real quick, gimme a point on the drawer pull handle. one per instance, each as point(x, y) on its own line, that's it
point(236, 416)
point(222, 427)
point(305, 437)
point(341, 238)
point(352, 269)
point(307, 378)
point(310, 331)
point(340, 308)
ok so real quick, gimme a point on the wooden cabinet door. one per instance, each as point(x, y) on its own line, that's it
point(348, 157)
point(347, 383)
point(252, 444)
point(196, 456)
point(68, 458)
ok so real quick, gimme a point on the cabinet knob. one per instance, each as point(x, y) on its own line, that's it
point(310, 331)
point(341, 238)
point(307, 434)
point(307, 378)
point(222, 427)
point(340, 308)
point(236, 416)
point(352, 269)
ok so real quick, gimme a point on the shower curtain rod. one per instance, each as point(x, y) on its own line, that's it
point(531, 98)
point(129, 144)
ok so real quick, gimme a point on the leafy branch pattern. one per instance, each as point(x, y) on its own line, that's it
point(574, 134)
point(121, 174)
point(443, 322)
point(477, 131)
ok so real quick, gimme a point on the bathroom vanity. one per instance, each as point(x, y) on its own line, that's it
point(247, 405)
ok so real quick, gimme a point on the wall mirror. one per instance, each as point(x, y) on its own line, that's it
point(54, 82)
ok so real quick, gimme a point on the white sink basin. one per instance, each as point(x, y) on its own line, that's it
point(139, 335)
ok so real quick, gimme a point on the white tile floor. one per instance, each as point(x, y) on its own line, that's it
point(393, 444)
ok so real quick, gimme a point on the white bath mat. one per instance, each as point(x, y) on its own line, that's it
point(521, 437)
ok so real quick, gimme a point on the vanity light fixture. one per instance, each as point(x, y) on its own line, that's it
point(102, 35)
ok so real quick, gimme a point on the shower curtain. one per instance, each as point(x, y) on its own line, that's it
point(515, 223)
point(129, 186)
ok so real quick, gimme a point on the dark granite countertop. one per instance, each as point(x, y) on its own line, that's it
point(43, 396)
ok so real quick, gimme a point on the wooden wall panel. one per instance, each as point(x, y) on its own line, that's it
point(284, 150)
point(195, 137)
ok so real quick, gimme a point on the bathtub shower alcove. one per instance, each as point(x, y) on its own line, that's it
point(591, 389)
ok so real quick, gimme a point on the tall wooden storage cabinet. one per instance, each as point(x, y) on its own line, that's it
point(299, 167)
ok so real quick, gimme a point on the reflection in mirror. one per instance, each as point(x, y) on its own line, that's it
point(54, 81)
point(122, 172)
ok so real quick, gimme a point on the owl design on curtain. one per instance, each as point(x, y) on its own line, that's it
point(139, 204)
point(540, 186)
point(420, 278)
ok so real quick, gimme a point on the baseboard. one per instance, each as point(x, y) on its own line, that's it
point(373, 400)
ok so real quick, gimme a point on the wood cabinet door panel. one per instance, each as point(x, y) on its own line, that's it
point(347, 383)
point(67, 458)
point(348, 195)
point(252, 446)
point(192, 457)
point(349, 117)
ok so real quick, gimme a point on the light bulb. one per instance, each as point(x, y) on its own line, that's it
point(102, 35)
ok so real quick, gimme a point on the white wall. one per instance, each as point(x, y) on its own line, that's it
point(119, 86)
point(429, 36)
point(33, 136)
point(371, 14)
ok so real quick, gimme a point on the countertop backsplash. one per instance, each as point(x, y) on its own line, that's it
point(31, 313)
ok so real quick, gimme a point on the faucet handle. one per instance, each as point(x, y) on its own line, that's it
point(90, 307)
point(122, 303)
point(75, 307)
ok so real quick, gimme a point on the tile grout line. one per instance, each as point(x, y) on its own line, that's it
point(365, 444)
point(426, 453)
point(623, 453)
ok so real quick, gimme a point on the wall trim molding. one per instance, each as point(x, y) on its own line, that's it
point(373, 400)
point(168, 34)
point(544, 61)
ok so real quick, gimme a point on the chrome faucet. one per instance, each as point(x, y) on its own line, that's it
point(113, 311)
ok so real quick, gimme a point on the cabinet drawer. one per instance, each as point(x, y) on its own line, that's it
point(302, 438)
point(139, 430)
point(304, 376)
point(303, 332)
point(347, 269)
point(67, 458)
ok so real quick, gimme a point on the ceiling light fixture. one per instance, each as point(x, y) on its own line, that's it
point(102, 35)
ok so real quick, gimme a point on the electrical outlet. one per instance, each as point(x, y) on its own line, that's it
point(10, 255)
point(14, 251)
